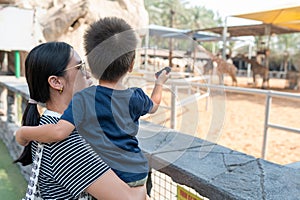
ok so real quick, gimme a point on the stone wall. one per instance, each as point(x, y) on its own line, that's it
point(13, 100)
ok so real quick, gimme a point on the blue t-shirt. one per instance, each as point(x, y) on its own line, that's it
point(109, 120)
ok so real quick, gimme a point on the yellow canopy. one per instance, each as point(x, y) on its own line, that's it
point(285, 17)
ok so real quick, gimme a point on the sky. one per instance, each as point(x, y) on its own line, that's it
point(234, 7)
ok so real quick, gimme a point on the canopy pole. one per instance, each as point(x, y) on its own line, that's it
point(146, 48)
point(268, 34)
point(172, 13)
point(224, 39)
point(249, 65)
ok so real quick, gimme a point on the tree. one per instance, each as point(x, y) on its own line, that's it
point(169, 13)
point(201, 18)
point(163, 12)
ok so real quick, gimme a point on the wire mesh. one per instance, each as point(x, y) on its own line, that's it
point(164, 188)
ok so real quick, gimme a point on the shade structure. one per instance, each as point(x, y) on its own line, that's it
point(157, 30)
point(252, 30)
point(167, 32)
point(194, 36)
point(285, 17)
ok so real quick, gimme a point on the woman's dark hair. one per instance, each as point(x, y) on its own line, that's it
point(42, 61)
point(110, 44)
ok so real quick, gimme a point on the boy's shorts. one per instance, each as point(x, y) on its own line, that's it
point(138, 182)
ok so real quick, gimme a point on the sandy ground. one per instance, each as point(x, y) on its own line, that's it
point(239, 125)
point(244, 124)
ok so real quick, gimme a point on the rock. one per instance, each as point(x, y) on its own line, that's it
point(67, 21)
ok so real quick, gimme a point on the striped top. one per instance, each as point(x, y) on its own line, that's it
point(68, 167)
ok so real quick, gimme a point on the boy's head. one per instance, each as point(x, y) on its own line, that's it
point(110, 45)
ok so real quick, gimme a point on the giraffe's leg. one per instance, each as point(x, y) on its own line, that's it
point(234, 81)
point(268, 83)
point(254, 81)
point(221, 78)
point(233, 78)
point(263, 84)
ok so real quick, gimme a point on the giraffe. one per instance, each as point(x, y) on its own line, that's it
point(223, 67)
point(257, 69)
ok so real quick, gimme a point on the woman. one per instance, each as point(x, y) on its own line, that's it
point(54, 72)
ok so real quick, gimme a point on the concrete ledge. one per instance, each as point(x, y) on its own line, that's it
point(295, 165)
point(214, 171)
point(17, 85)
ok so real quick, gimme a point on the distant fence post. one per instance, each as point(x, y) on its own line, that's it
point(3, 101)
point(266, 125)
point(173, 106)
point(11, 107)
point(17, 64)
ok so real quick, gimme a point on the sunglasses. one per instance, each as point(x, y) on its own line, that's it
point(81, 66)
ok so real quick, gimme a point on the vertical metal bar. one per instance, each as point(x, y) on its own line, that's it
point(249, 65)
point(268, 34)
point(173, 105)
point(17, 64)
point(146, 49)
point(207, 99)
point(172, 13)
point(224, 39)
point(266, 125)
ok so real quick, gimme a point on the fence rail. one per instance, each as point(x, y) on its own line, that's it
point(190, 82)
point(269, 94)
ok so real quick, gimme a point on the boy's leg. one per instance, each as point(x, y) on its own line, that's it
point(138, 182)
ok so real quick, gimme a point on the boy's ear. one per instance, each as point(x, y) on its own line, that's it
point(55, 82)
point(131, 65)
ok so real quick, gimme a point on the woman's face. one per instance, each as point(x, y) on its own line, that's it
point(76, 77)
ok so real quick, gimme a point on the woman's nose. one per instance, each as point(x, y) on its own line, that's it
point(89, 78)
point(88, 75)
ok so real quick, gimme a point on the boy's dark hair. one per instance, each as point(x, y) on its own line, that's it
point(110, 45)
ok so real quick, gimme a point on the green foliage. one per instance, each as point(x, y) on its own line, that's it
point(295, 59)
point(285, 48)
point(178, 14)
point(12, 183)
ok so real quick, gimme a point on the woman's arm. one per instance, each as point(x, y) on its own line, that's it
point(45, 133)
point(110, 187)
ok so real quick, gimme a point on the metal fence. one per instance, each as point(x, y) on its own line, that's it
point(164, 188)
point(269, 94)
point(198, 89)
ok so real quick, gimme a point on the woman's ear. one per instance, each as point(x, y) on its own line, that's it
point(55, 82)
